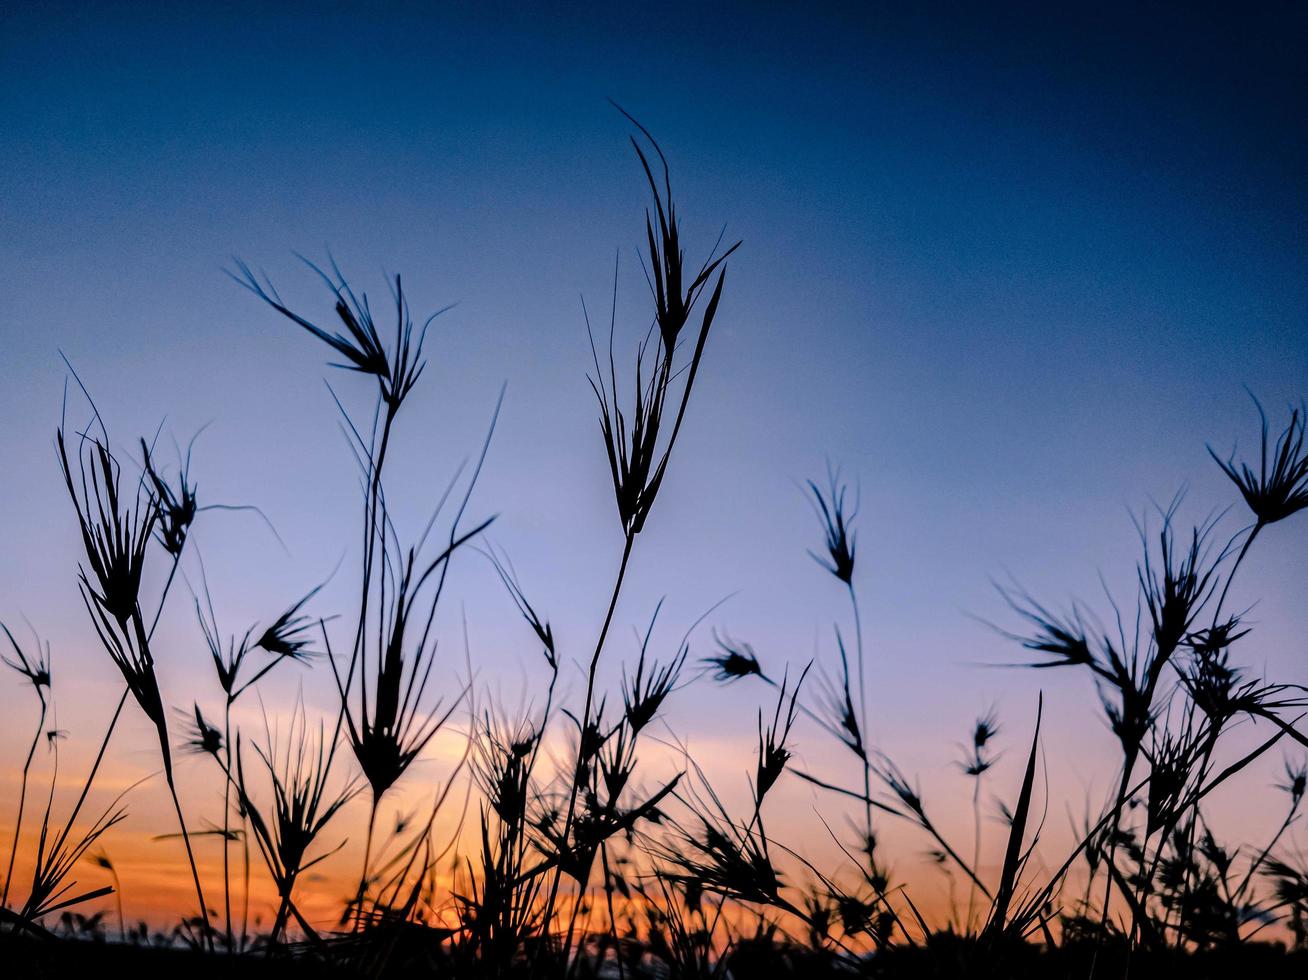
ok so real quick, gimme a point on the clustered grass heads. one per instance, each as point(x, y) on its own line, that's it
point(59, 852)
point(544, 633)
point(56, 860)
point(607, 760)
point(678, 933)
point(724, 857)
point(286, 638)
point(1171, 760)
point(392, 654)
point(499, 907)
point(638, 449)
point(116, 529)
point(733, 859)
point(842, 714)
point(1175, 587)
point(1174, 887)
point(388, 730)
point(303, 804)
point(731, 862)
point(1200, 885)
point(501, 904)
point(1289, 879)
point(639, 446)
point(1221, 692)
point(36, 671)
point(1179, 882)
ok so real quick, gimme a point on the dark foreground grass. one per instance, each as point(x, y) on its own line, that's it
point(569, 858)
point(944, 957)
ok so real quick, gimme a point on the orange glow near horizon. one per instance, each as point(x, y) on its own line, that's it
point(156, 888)
point(1004, 287)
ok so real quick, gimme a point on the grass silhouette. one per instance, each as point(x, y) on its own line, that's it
point(563, 861)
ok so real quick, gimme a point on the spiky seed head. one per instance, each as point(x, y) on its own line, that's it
point(36, 669)
point(986, 728)
point(1215, 639)
point(1279, 488)
point(835, 515)
point(203, 738)
point(733, 661)
point(178, 508)
point(1296, 782)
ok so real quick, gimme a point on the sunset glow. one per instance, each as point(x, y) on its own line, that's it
point(1006, 281)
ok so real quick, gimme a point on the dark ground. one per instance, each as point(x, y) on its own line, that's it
point(39, 959)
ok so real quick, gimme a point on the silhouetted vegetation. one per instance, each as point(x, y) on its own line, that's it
point(564, 862)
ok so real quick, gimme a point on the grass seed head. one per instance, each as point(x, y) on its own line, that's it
point(835, 514)
point(35, 669)
point(1279, 488)
point(733, 661)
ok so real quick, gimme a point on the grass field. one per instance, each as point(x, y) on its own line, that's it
point(570, 864)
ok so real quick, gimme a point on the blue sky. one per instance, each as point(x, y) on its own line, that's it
point(1010, 270)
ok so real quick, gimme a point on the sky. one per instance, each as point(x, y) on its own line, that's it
point(1010, 270)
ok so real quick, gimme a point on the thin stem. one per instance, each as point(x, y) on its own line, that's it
point(1204, 768)
point(1262, 856)
point(1244, 550)
point(279, 922)
point(858, 646)
point(227, 802)
point(367, 857)
point(22, 800)
point(118, 894)
point(1119, 804)
point(190, 857)
point(585, 720)
point(613, 922)
point(245, 887)
point(163, 598)
point(976, 847)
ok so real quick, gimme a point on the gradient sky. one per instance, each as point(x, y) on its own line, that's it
point(1009, 269)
